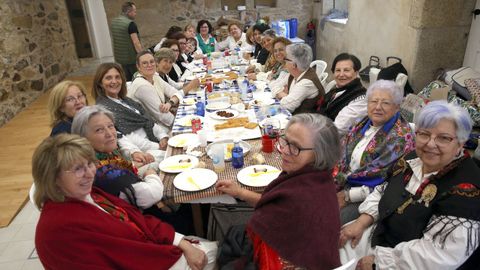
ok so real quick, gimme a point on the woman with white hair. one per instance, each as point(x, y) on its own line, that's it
point(296, 222)
point(427, 213)
point(304, 92)
point(371, 147)
point(116, 174)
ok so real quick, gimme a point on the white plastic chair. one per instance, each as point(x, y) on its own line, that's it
point(329, 86)
point(320, 66)
point(30, 195)
point(323, 78)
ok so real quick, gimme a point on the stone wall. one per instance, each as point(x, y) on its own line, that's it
point(425, 34)
point(37, 50)
point(154, 17)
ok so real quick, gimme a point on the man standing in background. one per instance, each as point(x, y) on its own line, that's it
point(125, 39)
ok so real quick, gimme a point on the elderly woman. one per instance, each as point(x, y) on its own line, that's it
point(309, 150)
point(346, 103)
point(236, 40)
point(189, 31)
point(110, 90)
point(64, 101)
point(177, 69)
point(116, 174)
point(276, 68)
point(260, 53)
point(372, 146)
point(81, 227)
point(155, 95)
point(206, 42)
point(426, 214)
point(165, 59)
point(267, 43)
point(304, 89)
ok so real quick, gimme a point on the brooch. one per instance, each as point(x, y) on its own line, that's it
point(428, 194)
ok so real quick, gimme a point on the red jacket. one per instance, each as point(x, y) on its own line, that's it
point(78, 235)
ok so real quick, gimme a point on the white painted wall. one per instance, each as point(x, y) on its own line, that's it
point(472, 53)
point(98, 29)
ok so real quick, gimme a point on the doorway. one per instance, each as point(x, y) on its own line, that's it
point(79, 28)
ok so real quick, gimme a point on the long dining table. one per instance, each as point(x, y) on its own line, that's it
point(175, 195)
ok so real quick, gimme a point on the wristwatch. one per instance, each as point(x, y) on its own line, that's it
point(171, 102)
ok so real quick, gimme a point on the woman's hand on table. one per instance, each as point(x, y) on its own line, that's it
point(142, 158)
point(162, 145)
point(252, 76)
point(165, 107)
point(354, 230)
point(229, 187)
point(196, 258)
point(192, 85)
point(366, 263)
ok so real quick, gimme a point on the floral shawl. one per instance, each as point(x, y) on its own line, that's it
point(116, 174)
point(391, 142)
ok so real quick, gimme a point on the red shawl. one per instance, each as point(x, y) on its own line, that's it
point(77, 235)
point(298, 217)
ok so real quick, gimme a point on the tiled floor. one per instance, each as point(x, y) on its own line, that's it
point(17, 247)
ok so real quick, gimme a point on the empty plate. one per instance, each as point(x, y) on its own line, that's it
point(258, 175)
point(182, 140)
point(178, 163)
point(195, 179)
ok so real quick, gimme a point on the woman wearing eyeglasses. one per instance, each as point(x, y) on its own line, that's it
point(83, 227)
point(155, 95)
point(177, 70)
point(371, 147)
point(64, 101)
point(296, 219)
point(427, 213)
point(206, 42)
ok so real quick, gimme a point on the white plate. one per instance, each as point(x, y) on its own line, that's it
point(195, 179)
point(217, 106)
point(262, 102)
point(186, 121)
point(197, 69)
point(182, 140)
point(178, 163)
point(215, 115)
point(258, 175)
point(228, 156)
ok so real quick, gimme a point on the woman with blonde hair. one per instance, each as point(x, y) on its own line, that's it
point(81, 226)
point(64, 101)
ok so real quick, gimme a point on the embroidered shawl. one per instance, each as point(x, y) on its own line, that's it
point(116, 174)
point(391, 142)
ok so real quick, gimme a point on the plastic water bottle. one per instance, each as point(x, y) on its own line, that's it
point(200, 106)
point(244, 89)
point(237, 154)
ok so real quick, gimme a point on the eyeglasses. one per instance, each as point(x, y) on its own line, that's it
point(288, 59)
point(175, 50)
point(146, 63)
point(293, 150)
point(80, 170)
point(424, 137)
point(383, 103)
point(72, 99)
